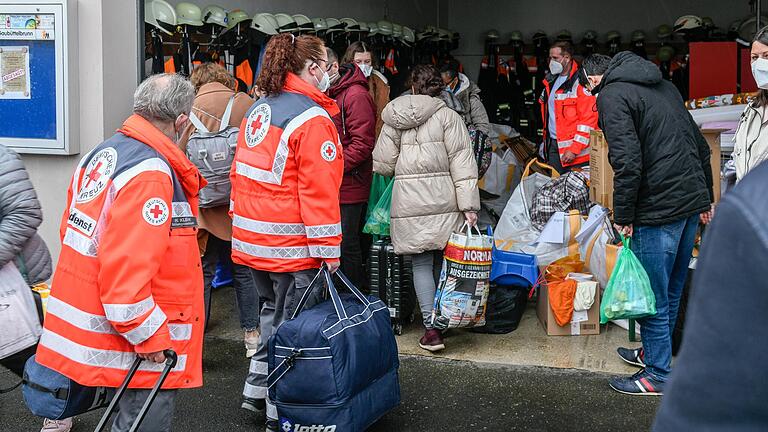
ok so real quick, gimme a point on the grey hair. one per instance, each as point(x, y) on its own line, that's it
point(164, 97)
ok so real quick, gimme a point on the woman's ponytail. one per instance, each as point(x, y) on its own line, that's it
point(286, 53)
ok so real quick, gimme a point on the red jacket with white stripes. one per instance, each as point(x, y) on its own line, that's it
point(128, 278)
point(285, 182)
point(575, 116)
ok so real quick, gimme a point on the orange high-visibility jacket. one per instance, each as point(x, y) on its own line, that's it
point(128, 278)
point(285, 182)
point(575, 116)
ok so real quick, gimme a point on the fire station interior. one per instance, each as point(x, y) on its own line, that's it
point(501, 46)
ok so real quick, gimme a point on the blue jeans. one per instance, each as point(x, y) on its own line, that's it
point(665, 252)
point(246, 296)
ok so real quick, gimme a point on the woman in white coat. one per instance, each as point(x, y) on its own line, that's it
point(751, 146)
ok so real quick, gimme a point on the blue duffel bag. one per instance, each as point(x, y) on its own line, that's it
point(334, 367)
point(52, 395)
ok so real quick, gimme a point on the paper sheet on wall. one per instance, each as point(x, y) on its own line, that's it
point(14, 73)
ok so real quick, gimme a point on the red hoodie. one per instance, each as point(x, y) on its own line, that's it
point(357, 128)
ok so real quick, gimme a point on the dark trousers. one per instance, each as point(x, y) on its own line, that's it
point(245, 289)
point(351, 248)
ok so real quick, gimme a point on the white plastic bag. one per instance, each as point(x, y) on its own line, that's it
point(593, 241)
point(19, 324)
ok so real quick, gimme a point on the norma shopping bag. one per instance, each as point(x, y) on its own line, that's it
point(628, 294)
point(377, 222)
point(19, 323)
point(461, 298)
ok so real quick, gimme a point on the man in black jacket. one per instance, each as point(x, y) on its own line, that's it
point(662, 184)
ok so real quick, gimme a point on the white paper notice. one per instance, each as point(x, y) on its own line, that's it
point(596, 216)
point(554, 230)
point(575, 328)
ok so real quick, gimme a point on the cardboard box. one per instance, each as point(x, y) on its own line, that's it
point(589, 327)
point(600, 171)
point(713, 139)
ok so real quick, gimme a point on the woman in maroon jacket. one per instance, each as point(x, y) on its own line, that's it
point(357, 128)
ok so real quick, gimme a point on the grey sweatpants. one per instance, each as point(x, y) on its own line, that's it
point(280, 294)
point(426, 275)
point(158, 418)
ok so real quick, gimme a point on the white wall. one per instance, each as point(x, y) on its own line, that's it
point(474, 18)
point(107, 78)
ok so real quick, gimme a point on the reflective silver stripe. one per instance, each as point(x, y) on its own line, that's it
point(325, 251)
point(80, 243)
point(584, 128)
point(564, 144)
point(584, 152)
point(271, 410)
point(275, 175)
point(564, 96)
point(127, 312)
point(231, 205)
point(79, 318)
point(181, 209)
point(581, 139)
point(98, 357)
point(152, 164)
point(146, 329)
point(258, 251)
point(269, 228)
point(254, 392)
point(180, 332)
point(320, 231)
point(259, 368)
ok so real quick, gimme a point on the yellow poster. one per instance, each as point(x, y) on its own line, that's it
point(14, 73)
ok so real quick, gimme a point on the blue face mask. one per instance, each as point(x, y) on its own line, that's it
point(760, 72)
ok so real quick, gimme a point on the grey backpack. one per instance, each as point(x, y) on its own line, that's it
point(213, 154)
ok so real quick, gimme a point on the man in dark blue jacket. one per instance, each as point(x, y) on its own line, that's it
point(662, 184)
point(719, 382)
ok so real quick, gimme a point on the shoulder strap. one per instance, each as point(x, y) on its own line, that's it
point(197, 123)
point(227, 114)
point(343, 116)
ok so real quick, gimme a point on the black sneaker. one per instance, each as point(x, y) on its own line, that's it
point(255, 405)
point(272, 426)
point(640, 384)
point(634, 357)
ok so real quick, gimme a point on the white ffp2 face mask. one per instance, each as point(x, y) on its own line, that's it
point(555, 67)
point(760, 72)
point(367, 69)
point(324, 83)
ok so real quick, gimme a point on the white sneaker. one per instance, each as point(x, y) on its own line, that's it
point(251, 339)
point(57, 425)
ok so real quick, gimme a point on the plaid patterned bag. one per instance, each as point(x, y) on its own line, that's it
point(569, 192)
point(483, 149)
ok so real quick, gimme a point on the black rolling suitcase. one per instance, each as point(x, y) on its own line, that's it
point(391, 279)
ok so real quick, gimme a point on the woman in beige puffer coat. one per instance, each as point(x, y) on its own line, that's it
point(426, 146)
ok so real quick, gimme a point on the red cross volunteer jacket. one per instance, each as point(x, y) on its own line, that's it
point(285, 182)
point(128, 279)
point(575, 116)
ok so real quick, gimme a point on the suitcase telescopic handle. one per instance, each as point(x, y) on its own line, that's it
point(171, 359)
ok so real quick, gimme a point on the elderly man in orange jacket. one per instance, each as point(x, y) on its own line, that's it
point(128, 281)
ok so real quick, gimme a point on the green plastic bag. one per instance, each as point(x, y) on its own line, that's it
point(378, 187)
point(628, 294)
point(378, 219)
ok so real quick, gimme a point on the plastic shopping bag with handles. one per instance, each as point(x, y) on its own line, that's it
point(629, 294)
point(461, 298)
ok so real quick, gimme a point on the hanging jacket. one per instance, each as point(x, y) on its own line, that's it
point(661, 162)
point(575, 115)
point(20, 215)
point(426, 147)
point(285, 182)
point(378, 88)
point(356, 123)
point(128, 278)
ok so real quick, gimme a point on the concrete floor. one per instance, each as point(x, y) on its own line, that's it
point(528, 345)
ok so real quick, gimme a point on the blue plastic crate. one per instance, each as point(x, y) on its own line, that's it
point(513, 268)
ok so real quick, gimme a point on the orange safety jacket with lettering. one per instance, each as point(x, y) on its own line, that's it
point(128, 279)
point(575, 116)
point(285, 182)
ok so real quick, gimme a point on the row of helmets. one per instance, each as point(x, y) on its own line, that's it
point(165, 17)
